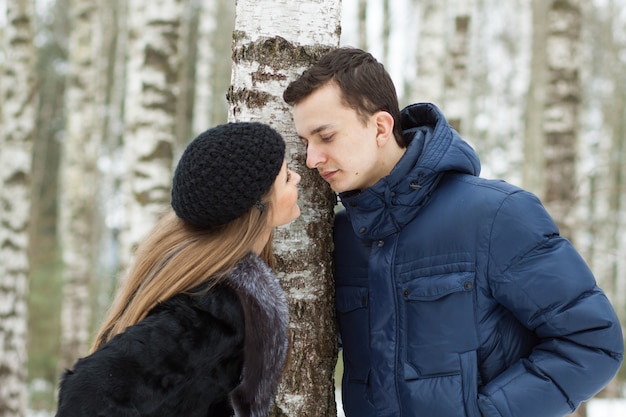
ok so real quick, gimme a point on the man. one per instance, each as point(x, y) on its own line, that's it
point(455, 295)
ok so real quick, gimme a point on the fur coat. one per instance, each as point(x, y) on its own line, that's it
point(198, 354)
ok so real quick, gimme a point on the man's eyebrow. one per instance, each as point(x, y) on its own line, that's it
point(320, 129)
point(317, 130)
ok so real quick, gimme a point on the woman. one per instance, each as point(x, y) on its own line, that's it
point(199, 327)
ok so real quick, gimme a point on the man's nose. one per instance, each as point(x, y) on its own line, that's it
point(313, 156)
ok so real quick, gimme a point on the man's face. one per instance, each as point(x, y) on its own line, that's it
point(340, 146)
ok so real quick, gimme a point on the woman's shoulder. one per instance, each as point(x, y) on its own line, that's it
point(190, 346)
point(206, 301)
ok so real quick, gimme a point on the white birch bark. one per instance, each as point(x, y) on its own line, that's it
point(79, 182)
point(203, 97)
point(111, 64)
point(275, 40)
point(461, 24)
point(498, 70)
point(406, 30)
point(562, 109)
point(534, 141)
point(431, 47)
point(212, 70)
point(151, 102)
point(472, 61)
point(17, 124)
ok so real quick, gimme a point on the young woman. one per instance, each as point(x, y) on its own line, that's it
point(199, 327)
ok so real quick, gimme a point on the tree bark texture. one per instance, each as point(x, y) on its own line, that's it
point(431, 56)
point(274, 41)
point(561, 118)
point(213, 72)
point(18, 92)
point(456, 72)
point(152, 91)
point(79, 184)
point(534, 141)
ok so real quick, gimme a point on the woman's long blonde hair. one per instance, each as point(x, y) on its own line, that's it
point(175, 258)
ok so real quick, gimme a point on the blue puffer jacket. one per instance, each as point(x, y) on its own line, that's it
point(456, 296)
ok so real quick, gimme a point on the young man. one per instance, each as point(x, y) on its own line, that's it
point(455, 295)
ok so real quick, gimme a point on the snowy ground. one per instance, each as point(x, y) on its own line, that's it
point(606, 408)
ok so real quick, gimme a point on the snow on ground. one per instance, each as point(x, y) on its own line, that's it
point(602, 407)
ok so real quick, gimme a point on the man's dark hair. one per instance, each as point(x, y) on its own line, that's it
point(364, 83)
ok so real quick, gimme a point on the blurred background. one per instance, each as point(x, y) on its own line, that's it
point(538, 87)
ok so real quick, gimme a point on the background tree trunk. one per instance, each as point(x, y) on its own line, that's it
point(561, 118)
point(431, 45)
point(80, 181)
point(275, 40)
point(152, 92)
point(212, 70)
point(113, 19)
point(602, 208)
point(17, 90)
point(457, 81)
point(504, 108)
point(534, 141)
point(498, 67)
point(45, 281)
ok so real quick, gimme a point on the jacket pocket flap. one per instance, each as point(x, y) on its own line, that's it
point(437, 286)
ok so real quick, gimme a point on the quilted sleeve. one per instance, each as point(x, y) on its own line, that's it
point(539, 276)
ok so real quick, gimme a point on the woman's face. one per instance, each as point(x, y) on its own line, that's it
point(285, 197)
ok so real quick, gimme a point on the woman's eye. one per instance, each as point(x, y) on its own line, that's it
point(288, 175)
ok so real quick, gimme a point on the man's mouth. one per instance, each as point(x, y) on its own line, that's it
point(327, 175)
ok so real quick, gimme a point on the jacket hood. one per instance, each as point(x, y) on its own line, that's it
point(434, 149)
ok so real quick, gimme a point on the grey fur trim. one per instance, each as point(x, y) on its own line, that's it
point(266, 340)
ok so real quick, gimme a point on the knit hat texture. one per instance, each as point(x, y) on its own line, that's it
point(224, 172)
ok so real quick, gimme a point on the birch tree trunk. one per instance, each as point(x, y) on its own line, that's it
point(188, 50)
point(151, 107)
point(45, 277)
point(601, 236)
point(17, 92)
point(431, 52)
point(212, 70)
point(79, 182)
point(112, 64)
point(561, 118)
point(456, 72)
point(616, 119)
point(534, 143)
point(275, 40)
point(614, 264)
point(554, 111)
point(498, 69)
point(362, 24)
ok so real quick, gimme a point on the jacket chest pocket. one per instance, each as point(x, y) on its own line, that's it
point(439, 321)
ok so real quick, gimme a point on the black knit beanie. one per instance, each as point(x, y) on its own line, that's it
point(224, 172)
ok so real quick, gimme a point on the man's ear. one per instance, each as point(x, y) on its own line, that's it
point(384, 127)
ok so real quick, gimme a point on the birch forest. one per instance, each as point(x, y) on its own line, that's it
point(98, 98)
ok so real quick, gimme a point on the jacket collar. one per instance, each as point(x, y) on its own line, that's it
point(434, 149)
